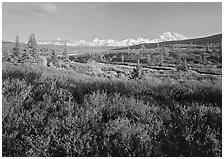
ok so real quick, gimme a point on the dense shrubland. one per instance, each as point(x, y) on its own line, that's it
point(74, 109)
point(49, 112)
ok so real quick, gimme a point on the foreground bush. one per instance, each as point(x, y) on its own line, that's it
point(45, 118)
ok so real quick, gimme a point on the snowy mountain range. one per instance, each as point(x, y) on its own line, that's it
point(167, 36)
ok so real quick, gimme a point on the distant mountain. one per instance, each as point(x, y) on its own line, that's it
point(167, 36)
point(198, 41)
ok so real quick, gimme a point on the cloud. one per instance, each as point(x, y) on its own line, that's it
point(39, 10)
point(49, 8)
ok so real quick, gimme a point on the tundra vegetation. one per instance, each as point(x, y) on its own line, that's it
point(162, 101)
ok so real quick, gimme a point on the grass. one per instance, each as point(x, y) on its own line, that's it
point(48, 112)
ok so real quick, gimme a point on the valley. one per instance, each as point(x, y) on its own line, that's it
point(164, 98)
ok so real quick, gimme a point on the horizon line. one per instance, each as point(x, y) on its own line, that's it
point(117, 40)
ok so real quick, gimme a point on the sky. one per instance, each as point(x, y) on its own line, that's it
point(109, 20)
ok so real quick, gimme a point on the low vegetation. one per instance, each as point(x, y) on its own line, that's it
point(65, 115)
point(81, 110)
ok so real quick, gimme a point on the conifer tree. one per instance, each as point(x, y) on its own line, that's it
point(31, 48)
point(17, 45)
point(31, 43)
point(65, 54)
point(16, 51)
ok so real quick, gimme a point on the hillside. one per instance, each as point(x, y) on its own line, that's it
point(146, 103)
point(198, 41)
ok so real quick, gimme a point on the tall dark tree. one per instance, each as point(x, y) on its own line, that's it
point(15, 55)
point(16, 51)
point(17, 45)
point(65, 53)
point(31, 48)
point(31, 43)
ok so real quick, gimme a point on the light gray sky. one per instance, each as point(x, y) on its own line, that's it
point(114, 20)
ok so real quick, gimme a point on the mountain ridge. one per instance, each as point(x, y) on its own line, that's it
point(217, 38)
point(167, 36)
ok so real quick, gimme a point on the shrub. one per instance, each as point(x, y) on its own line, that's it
point(56, 113)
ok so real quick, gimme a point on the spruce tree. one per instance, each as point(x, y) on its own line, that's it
point(31, 43)
point(17, 45)
point(16, 51)
point(31, 48)
point(65, 54)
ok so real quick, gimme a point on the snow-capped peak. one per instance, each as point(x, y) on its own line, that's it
point(167, 36)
